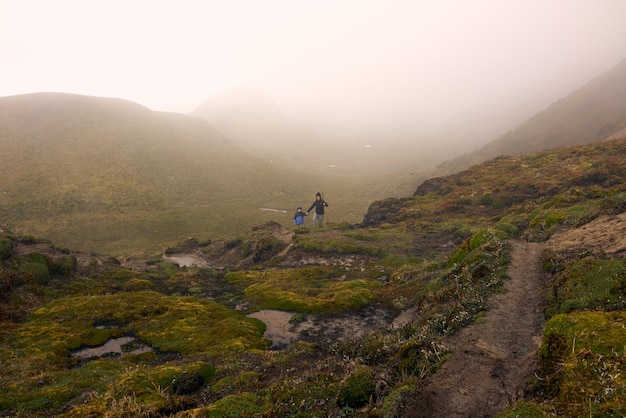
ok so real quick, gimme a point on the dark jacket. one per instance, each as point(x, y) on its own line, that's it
point(319, 206)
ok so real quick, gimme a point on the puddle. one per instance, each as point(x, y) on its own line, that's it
point(274, 210)
point(278, 329)
point(186, 261)
point(114, 346)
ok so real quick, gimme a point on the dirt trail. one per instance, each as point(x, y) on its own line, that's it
point(493, 360)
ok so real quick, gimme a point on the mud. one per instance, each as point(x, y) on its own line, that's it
point(493, 360)
point(283, 328)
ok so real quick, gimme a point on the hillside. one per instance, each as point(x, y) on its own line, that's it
point(109, 175)
point(595, 112)
point(373, 315)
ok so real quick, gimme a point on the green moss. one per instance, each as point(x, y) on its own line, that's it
point(48, 390)
point(308, 290)
point(235, 406)
point(241, 277)
point(581, 363)
point(526, 410)
point(588, 284)
point(347, 244)
point(231, 384)
point(181, 324)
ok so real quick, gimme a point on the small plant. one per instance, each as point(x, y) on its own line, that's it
point(358, 388)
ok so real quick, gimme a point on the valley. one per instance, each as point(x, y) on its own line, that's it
point(149, 266)
point(384, 318)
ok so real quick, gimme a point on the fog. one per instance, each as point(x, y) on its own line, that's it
point(451, 71)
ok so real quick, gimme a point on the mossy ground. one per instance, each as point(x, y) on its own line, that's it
point(440, 252)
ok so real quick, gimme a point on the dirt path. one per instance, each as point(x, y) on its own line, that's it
point(492, 360)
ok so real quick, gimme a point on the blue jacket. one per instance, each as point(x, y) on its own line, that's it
point(298, 218)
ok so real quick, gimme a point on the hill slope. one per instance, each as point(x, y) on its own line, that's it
point(109, 168)
point(592, 113)
point(109, 175)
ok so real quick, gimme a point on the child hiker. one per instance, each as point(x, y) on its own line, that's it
point(298, 218)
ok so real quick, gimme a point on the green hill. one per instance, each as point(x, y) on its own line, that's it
point(190, 343)
point(109, 175)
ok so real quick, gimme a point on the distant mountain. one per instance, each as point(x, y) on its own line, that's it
point(248, 118)
point(592, 113)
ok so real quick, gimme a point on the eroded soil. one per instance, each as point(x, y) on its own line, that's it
point(493, 359)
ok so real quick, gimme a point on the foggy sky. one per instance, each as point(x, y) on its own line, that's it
point(436, 68)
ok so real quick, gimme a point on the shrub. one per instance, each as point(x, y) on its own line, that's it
point(508, 229)
point(187, 383)
point(6, 249)
point(64, 266)
point(37, 270)
point(468, 247)
point(266, 248)
point(358, 388)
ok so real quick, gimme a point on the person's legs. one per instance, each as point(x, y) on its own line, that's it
point(317, 219)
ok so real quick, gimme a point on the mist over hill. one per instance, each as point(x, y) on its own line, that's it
point(595, 112)
point(110, 175)
point(253, 121)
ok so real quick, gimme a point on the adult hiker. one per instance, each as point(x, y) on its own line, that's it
point(318, 204)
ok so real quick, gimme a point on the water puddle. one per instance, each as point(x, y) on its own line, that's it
point(114, 347)
point(279, 327)
point(274, 210)
point(186, 261)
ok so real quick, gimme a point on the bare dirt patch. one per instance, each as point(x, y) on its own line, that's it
point(283, 328)
point(603, 237)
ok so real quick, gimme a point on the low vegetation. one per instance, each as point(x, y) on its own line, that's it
point(439, 253)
